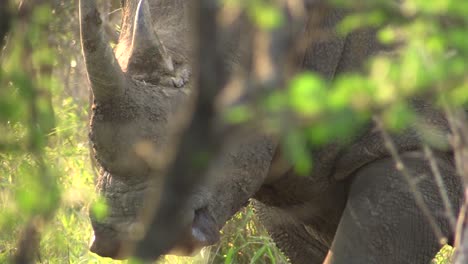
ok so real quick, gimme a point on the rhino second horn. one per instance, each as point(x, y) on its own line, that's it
point(145, 42)
point(106, 77)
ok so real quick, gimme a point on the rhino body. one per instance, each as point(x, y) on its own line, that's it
point(354, 207)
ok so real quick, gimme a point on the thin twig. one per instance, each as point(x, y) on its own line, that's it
point(418, 197)
point(449, 213)
point(460, 221)
point(459, 141)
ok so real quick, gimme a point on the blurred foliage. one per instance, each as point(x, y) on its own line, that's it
point(30, 194)
point(46, 179)
point(430, 62)
point(46, 174)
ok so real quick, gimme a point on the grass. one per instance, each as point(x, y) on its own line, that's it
point(444, 256)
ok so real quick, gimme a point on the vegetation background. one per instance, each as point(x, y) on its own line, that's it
point(46, 175)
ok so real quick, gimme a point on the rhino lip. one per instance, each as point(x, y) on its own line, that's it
point(108, 246)
point(204, 227)
point(201, 233)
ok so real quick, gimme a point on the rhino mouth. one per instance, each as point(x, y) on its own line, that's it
point(204, 227)
point(202, 232)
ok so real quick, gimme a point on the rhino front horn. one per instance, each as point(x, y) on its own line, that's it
point(106, 76)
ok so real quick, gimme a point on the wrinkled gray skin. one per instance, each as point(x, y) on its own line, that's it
point(355, 206)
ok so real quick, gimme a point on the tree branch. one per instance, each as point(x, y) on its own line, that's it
point(200, 138)
point(5, 21)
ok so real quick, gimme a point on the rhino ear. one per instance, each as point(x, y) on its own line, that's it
point(148, 55)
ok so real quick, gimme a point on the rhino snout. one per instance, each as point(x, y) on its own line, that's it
point(203, 231)
point(107, 246)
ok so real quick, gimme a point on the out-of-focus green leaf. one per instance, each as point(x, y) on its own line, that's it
point(351, 90)
point(398, 116)
point(295, 147)
point(99, 209)
point(238, 114)
point(355, 21)
point(308, 94)
point(265, 15)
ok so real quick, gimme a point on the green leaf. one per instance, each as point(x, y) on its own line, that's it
point(258, 254)
point(295, 146)
point(266, 16)
point(398, 116)
point(230, 255)
point(308, 94)
point(99, 209)
point(238, 114)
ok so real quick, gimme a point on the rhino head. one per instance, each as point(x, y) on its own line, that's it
point(139, 88)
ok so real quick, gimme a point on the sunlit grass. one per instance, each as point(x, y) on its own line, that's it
point(444, 256)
